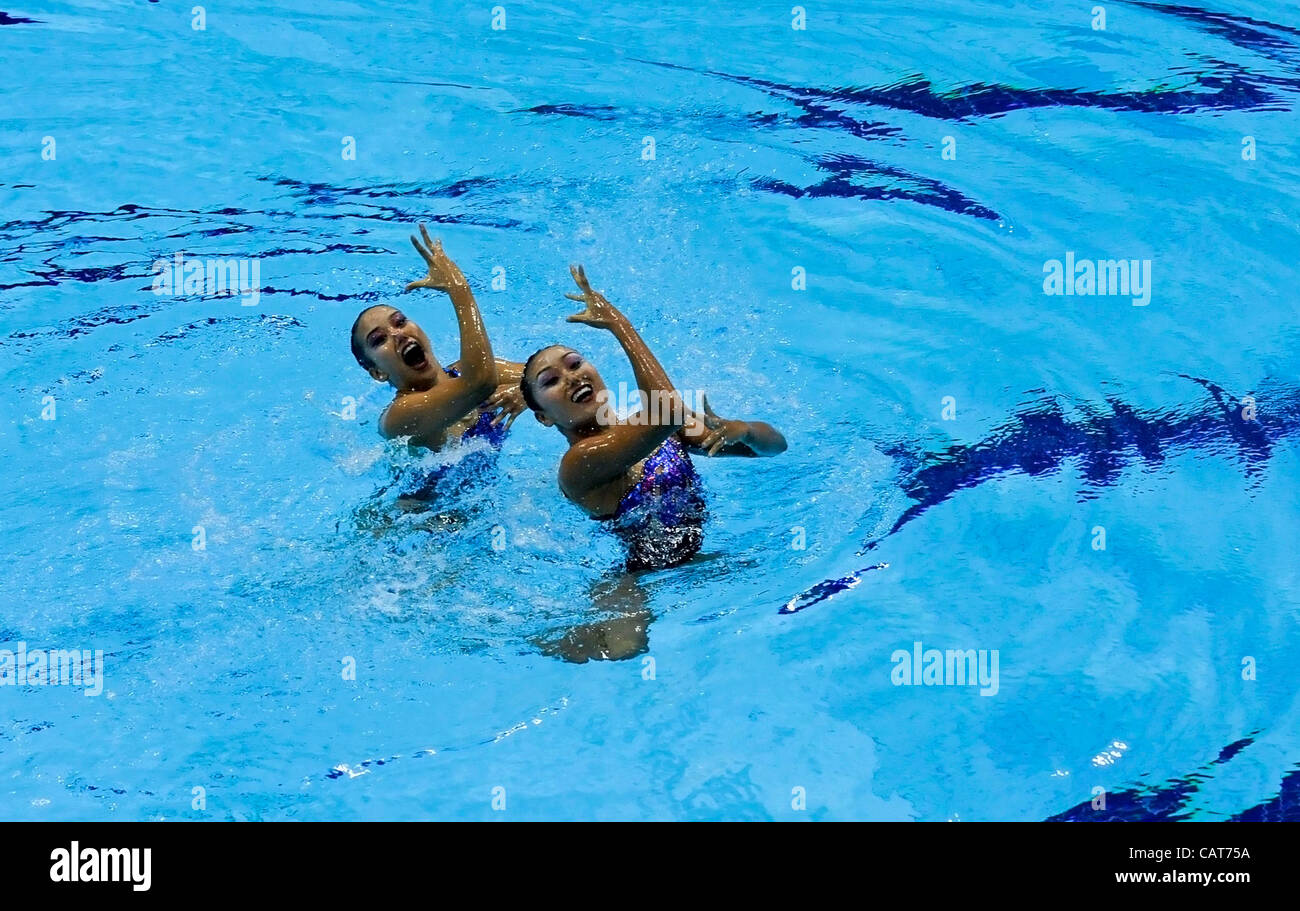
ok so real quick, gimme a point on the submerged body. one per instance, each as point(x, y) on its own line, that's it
point(479, 425)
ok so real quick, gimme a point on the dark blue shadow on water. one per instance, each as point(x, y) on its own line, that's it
point(1170, 801)
point(1207, 85)
point(1102, 440)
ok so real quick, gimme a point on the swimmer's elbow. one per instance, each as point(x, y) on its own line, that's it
point(481, 380)
point(482, 390)
point(768, 441)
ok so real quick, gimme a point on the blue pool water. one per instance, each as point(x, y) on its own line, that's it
point(1160, 668)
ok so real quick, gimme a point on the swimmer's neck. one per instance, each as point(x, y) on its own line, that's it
point(583, 431)
point(422, 384)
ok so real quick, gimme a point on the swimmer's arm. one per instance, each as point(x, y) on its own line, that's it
point(507, 402)
point(650, 374)
point(476, 361)
point(427, 416)
point(599, 460)
point(509, 372)
point(717, 436)
point(477, 365)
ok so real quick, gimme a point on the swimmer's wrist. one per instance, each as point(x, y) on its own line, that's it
point(619, 324)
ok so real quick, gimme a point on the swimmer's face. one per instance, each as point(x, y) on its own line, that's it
point(568, 390)
point(397, 349)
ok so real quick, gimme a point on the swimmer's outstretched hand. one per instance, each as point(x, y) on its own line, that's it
point(722, 432)
point(444, 275)
point(508, 403)
point(600, 312)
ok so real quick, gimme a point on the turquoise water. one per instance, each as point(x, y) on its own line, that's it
point(775, 150)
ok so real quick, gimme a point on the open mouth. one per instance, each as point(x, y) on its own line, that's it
point(583, 393)
point(413, 355)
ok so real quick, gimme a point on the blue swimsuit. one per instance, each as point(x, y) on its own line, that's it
point(473, 463)
point(661, 519)
point(484, 429)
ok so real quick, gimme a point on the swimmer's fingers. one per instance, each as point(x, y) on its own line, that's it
point(707, 408)
point(506, 402)
point(722, 432)
point(497, 400)
point(710, 418)
point(436, 284)
point(507, 413)
point(435, 246)
point(580, 277)
point(588, 316)
point(426, 254)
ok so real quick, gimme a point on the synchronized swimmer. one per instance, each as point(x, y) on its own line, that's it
point(477, 396)
point(636, 473)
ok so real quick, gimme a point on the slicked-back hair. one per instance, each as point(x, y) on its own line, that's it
point(526, 387)
point(358, 349)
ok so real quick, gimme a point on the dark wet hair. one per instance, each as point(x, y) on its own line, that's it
point(524, 386)
point(358, 350)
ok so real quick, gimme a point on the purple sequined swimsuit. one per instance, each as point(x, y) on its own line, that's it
point(661, 519)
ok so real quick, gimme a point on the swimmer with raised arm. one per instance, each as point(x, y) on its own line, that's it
point(476, 397)
point(637, 474)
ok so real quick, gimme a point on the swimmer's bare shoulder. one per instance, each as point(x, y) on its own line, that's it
point(408, 416)
point(599, 499)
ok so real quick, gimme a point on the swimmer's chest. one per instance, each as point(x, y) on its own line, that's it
point(451, 434)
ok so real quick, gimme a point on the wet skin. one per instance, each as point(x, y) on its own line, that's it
point(606, 453)
point(430, 406)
